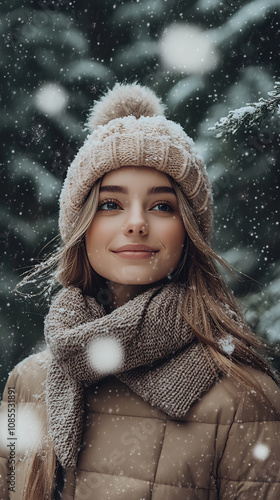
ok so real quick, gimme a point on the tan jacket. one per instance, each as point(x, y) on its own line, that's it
point(227, 446)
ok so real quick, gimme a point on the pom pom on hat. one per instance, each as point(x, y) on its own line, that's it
point(124, 100)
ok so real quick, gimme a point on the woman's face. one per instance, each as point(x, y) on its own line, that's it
point(137, 235)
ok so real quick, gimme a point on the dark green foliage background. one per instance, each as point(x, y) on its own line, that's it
point(85, 47)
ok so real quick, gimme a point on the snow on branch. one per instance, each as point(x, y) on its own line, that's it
point(247, 116)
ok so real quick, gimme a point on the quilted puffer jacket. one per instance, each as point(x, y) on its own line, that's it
point(226, 447)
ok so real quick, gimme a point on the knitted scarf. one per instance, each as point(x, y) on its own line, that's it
point(161, 359)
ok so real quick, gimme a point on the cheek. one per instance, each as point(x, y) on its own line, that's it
point(98, 234)
point(173, 234)
point(90, 239)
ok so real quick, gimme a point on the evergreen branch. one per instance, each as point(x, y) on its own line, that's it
point(247, 116)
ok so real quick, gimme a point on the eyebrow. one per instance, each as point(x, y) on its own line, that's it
point(124, 190)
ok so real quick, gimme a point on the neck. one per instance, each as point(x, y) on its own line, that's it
point(121, 294)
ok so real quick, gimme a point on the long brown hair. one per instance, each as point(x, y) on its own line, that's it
point(213, 312)
point(210, 309)
point(40, 464)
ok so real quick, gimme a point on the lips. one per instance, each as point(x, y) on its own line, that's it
point(135, 252)
point(136, 248)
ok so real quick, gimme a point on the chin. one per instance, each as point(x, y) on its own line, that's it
point(138, 280)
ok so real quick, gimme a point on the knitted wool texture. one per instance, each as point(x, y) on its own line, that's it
point(128, 128)
point(162, 361)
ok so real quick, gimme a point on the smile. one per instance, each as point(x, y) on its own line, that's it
point(136, 254)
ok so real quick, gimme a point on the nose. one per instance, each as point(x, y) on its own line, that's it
point(136, 223)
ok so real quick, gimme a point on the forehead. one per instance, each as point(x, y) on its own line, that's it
point(136, 176)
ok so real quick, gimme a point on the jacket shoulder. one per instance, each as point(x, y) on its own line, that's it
point(255, 408)
point(27, 379)
point(226, 401)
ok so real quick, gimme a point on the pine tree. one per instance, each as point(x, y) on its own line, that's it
point(259, 124)
point(49, 78)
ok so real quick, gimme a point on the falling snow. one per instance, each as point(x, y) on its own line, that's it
point(51, 99)
point(261, 451)
point(205, 58)
point(105, 355)
point(187, 48)
point(29, 429)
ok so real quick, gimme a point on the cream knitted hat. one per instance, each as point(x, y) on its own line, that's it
point(128, 128)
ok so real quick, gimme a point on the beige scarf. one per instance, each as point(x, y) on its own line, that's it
point(162, 360)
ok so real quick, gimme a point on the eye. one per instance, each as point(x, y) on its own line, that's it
point(163, 206)
point(108, 205)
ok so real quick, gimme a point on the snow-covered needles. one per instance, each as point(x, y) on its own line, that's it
point(248, 116)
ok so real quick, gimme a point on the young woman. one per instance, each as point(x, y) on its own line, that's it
point(151, 386)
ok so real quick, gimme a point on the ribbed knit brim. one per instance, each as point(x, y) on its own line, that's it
point(150, 141)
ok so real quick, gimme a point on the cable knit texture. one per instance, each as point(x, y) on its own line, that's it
point(162, 361)
point(128, 128)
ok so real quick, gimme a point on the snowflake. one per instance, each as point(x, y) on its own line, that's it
point(227, 344)
point(261, 451)
point(105, 355)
